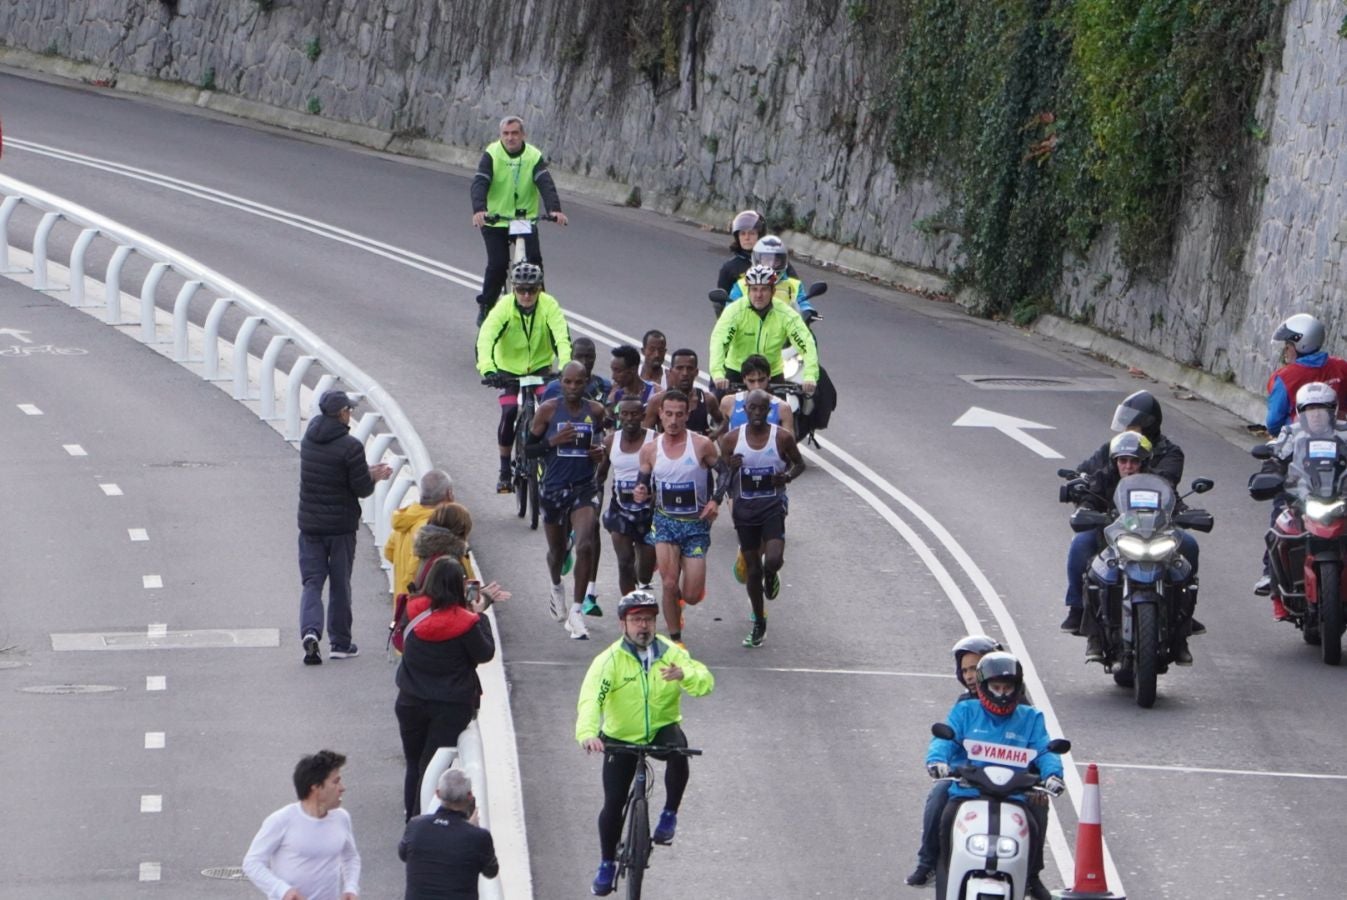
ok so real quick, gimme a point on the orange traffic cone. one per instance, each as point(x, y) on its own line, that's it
point(1091, 883)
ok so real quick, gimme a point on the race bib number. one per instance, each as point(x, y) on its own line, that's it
point(625, 495)
point(999, 754)
point(678, 498)
point(1323, 449)
point(755, 482)
point(580, 444)
point(521, 226)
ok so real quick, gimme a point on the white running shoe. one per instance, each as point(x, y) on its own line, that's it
point(575, 624)
point(556, 603)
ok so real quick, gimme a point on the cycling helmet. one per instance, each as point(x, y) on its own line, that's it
point(527, 273)
point(1139, 410)
point(770, 252)
point(1316, 408)
point(1129, 443)
point(1303, 330)
point(974, 643)
point(760, 275)
point(1000, 667)
point(637, 600)
point(748, 220)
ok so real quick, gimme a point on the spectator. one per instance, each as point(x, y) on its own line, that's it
point(446, 534)
point(436, 488)
point(446, 851)
point(333, 477)
point(306, 850)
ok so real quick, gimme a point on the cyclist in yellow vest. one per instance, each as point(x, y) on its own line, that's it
point(511, 179)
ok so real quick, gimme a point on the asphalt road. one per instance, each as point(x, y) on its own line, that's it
point(811, 784)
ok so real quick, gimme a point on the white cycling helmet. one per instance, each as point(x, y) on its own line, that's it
point(770, 252)
point(760, 274)
point(1303, 330)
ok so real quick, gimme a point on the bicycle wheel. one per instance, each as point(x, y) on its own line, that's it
point(522, 464)
point(534, 498)
point(638, 845)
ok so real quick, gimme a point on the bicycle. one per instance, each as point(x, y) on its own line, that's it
point(521, 226)
point(633, 852)
point(525, 474)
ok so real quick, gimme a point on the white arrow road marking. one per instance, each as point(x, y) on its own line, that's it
point(1011, 427)
point(17, 334)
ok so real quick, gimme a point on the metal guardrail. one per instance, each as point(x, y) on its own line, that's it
point(252, 379)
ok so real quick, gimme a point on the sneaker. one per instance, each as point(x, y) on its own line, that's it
point(556, 602)
point(1279, 611)
point(1036, 889)
point(350, 651)
point(604, 878)
point(1195, 627)
point(755, 636)
point(569, 562)
point(575, 624)
point(664, 831)
point(740, 568)
point(1182, 655)
point(921, 876)
point(312, 656)
point(771, 585)
point(591, 606)
point(505, 485)
point(1263, 586)
point(1094, 649)
point(1071, 624)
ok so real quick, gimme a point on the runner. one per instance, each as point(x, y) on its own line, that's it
point(756, 374)
point(704, 416)
point(627, 521)
point(653, 347)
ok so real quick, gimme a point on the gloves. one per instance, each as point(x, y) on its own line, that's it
point(810, 316)
point(938, 770)
point(1054, 785)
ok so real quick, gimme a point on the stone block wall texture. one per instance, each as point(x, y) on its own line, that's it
point(708, 106)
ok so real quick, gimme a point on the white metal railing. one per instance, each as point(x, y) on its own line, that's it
point(250, 378)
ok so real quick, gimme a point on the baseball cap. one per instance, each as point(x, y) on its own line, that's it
point(334, 402)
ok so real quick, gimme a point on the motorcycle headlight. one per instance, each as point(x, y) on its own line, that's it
point(1140, 549)
point(985, 845)
point(1322, 510)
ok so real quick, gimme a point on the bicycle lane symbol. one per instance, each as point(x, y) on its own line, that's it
point(41, 349)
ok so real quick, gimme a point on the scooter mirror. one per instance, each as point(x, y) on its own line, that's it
point(943, 731)
point(1202, 485)
point(718, 296)
point(1261, 451)
point(817, 289)
point(1059, 745)
point(1066, 473)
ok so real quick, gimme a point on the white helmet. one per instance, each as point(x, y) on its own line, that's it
point(760, 275)
point(1317, 408)
point(770, 252)
point(1303, 330)
point(1316, 393)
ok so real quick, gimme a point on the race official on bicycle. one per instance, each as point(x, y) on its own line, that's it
point(521, 338)
point(631, 695)
point(511, 176)
point(763, 325)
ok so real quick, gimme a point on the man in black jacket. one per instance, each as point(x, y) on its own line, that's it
point(333, 476)
point(445, 851)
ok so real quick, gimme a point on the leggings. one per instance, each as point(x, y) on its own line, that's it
point(618, 771)
point(426, 726)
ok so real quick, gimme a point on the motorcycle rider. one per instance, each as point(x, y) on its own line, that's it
point(1305, 361)
point(999, 717)
point(763, 325)
point(968, 652)
point(771, 252)
point(745, 230)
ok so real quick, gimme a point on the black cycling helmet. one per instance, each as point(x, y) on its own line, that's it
point(1000, 667)
point(637, 600)
point(1141, 411)
point(974, 643)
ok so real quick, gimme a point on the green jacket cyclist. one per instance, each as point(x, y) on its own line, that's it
point(631, 695)
point(521, 338)
point(762, 326)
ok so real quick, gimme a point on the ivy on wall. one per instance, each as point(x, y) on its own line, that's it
point(1049, 119)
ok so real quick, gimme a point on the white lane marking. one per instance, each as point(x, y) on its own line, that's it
point(151, 803)
point(1011, 427)
point(152, 581)
point(111, 490)
point(799, 670)
point(75, 450)
point(138, 534)
point(150, 871)
point(17, 334)
point(1199, 770)
point(29, 409)
point(197, 639)
point(156, 682)
point(154, 740)
point(157, 630)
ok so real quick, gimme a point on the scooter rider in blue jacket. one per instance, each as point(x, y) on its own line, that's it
point(990, 732)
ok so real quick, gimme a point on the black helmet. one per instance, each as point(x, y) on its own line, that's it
point(974, 643)
point(1139, 410)
point(637, 600)
point(1000, 666)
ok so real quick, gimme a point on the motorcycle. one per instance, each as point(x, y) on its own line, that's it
point(1140, 592)
point(720, 299)
point(1308, 542)
point(987, 854)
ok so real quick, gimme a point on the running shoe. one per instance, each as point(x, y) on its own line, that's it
point(575, 624)
point(771, 585)
point(349, 651)
point(755, 636)
point(664, 831)
point(604, 878)
point(591, 607)
point(505, 485)
point(740, 568)
point(312, 655)
point(569, 562)
point(556, 602)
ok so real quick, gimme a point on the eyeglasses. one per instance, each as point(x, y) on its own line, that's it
point(521, 289)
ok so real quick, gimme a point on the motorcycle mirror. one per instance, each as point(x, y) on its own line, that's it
point(1265, 485)
point(817, 289)
point(1261, 451)
point(718, 296)
point(1066, 473)
point(1059, 745)
point(943, 731)
point(1202, 485)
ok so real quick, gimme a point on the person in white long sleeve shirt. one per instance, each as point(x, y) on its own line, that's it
point(306, 850)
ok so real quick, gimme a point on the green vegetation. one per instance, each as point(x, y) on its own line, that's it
point(313, 49)
point(315, 105)
point(1048, 120)
point(208, 79)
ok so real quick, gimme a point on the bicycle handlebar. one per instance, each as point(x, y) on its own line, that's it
point(500, 380)
point(493, 218)
point(649, 749)
point(780, 389)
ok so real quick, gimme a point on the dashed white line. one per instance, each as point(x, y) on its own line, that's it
point(154, 740)
point(156, 682)
point(152, 581)
point(29, 409)
point(1199, 770)
point(157, 630)
point(150, 871)
point(151, 803)
point(75, 450)
point(111, 490)
point(138, 534)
